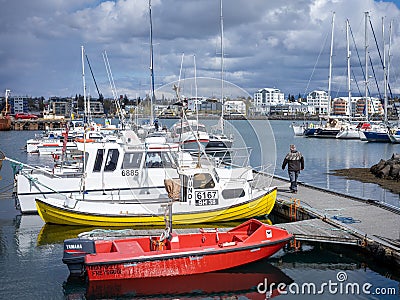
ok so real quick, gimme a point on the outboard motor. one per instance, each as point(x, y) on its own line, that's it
point(75, 251)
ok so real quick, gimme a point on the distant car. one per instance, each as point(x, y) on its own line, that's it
point(25, 116)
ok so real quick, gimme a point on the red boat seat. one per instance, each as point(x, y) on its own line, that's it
point(240, 237)
point(128, 247)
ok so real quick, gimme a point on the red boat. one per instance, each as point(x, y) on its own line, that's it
point(173, 254)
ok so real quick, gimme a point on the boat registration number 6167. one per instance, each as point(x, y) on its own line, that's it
point(206, 198)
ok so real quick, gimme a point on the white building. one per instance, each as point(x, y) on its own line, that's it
point(318, 99)
point(357, 106)
point(234, 107)
point(265, 98)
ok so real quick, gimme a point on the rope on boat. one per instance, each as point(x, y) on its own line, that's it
point(35, 182)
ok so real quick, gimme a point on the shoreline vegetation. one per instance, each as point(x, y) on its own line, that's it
point(382, 173)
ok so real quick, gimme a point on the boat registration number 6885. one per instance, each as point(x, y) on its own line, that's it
point(206, 198)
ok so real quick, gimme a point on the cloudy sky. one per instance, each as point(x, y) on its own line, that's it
point(283, 44)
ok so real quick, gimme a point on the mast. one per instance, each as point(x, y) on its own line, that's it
point(366, 67)
point(385, 100)
point(348, 70)
point(84, 86)
point(83, 181)
point(222, 69)
point(330, 67)
point(195, 87)
point(390, 56)
point(152, 97)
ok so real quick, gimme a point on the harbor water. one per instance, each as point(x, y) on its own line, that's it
point(31, 252)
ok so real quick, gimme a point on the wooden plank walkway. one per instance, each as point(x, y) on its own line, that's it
point(316, 230)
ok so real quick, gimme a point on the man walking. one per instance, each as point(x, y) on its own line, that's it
point(295, 161)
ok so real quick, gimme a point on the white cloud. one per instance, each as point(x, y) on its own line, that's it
point(267, 43)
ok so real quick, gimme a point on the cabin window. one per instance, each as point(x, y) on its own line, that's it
point(200, 128)
point(99, 160)
point(153, 160)
point(132, 160)
point(167, 161)
point(233, 193)
point(111, 160)
point(203, 181)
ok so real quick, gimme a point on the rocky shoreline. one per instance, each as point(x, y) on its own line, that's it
point(386, 173)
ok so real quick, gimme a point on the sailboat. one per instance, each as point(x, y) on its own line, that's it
point(380, 132)
point(332, 125)
point(219, 142)
point(349, 130)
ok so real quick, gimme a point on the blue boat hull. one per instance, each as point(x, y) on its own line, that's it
point(377, 137)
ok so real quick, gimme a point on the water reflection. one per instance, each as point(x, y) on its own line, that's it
point(241, 281)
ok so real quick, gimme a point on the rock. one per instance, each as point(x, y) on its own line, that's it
point(384, 172)
point(395, 171)
point(389, 169)
point(396, 156)
point(376, 168)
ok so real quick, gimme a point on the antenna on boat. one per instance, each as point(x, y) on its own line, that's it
point(152, 98)
point(197, 112)
point(85, 121)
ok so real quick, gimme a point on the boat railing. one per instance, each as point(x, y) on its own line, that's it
point(262, 177)
point(235, 157)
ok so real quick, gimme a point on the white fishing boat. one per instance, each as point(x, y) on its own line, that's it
point(109, 167)
point(190, 134)
point(298, 129)
point(52, 140)
point(203, 193)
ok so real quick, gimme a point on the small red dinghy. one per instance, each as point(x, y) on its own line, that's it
point(173, 254)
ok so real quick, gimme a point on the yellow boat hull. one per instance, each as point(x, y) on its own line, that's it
point(258, 207)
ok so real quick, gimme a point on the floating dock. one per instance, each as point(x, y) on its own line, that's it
point(326, 216)
point(38, 124)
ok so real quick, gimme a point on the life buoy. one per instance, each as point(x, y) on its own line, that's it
point(82, 140)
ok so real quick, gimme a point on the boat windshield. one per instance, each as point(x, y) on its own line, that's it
point(132, 160)
point(203, 181)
